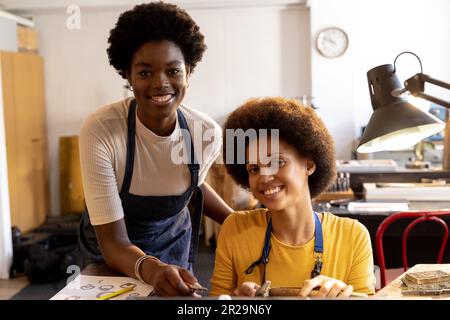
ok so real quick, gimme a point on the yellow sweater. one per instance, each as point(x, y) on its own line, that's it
point(347, 254)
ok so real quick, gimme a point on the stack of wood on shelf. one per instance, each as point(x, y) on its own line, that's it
point(27, 39)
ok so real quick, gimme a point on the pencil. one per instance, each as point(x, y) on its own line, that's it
point(115, 294)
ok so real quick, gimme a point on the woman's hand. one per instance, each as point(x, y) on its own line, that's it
point(170, 280)
point(247, 288)
point(326, 287)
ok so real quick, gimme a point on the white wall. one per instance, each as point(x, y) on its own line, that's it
point(251, 52)
point(378, 31)
point(34, 5)
point(8, 35)
point(331, 80)
point(385, 28)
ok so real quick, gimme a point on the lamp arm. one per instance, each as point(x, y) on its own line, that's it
point(416, 85)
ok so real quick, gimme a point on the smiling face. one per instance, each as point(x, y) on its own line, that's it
point(158, 76)
point(284, 187)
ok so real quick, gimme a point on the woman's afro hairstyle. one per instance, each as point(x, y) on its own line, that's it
point(299, 126)
point(154, 21)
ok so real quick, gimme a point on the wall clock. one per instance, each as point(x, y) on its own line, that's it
point(332, 42)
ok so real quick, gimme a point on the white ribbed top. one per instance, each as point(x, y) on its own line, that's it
point(103, 144)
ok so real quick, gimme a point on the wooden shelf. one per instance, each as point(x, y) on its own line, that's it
point(327, 196)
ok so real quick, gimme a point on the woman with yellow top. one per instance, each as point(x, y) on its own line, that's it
point(286, 160)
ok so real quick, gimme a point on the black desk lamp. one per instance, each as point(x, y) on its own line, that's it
point(395, 123)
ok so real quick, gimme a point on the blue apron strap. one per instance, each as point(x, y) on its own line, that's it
point(266, 250)
point(196, 221)
point(318, 241)
point(194, 169)
point(130, 147)
point(193, 163)
point(318, 247)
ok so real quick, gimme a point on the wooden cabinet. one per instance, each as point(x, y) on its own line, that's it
point(22, 78)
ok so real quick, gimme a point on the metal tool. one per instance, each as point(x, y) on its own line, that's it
point(263, 291)
point(196, 287)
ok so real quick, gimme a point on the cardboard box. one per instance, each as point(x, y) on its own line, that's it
point(27, 39)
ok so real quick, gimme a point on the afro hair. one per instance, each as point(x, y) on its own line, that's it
point(299, 126)
point(154, 21)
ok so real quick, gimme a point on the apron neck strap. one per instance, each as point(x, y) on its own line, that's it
point(187, 137)
point(266, 250)
point(318, 248)
point(193, 165)
point(131, 121)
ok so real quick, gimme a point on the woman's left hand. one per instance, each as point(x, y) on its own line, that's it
point(247, 288)
point(326, 287)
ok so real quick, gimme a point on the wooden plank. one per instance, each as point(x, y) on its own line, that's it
point(70, 182)
point(26, 139)
point(446, 158)
point(10, 133)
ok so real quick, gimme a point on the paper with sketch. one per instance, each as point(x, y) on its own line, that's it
point(92, 287)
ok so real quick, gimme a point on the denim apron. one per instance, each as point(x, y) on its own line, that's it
point(160, 226)
point(318, 250)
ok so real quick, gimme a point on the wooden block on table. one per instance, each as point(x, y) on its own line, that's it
point(426, 277)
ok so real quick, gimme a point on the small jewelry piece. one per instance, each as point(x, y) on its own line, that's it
point(137, 266)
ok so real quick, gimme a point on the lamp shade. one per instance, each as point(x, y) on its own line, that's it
point(395, 123)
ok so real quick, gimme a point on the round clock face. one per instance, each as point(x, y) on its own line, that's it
point(332, 42)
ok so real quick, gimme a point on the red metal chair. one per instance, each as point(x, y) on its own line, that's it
point(418, 216)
